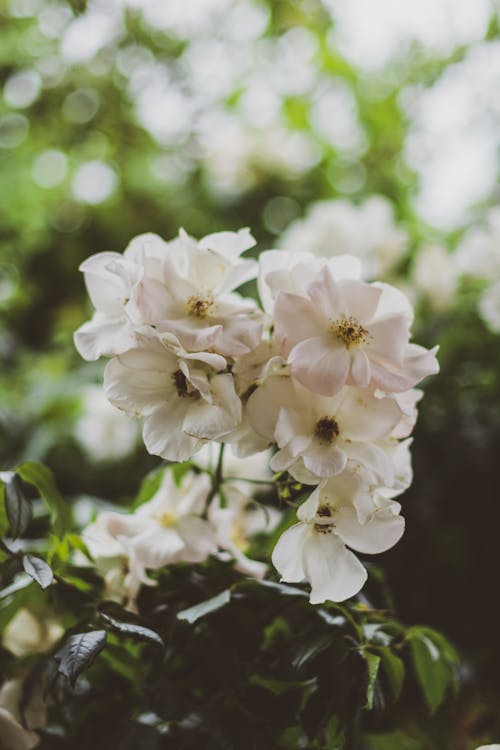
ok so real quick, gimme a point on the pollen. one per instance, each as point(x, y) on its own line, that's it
point(326, 430)
point(199, 306)
point(182, 385)
point(324, 527)
point(166, 519)
point(349, 331)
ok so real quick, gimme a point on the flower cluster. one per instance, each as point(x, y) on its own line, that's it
point(324, 373)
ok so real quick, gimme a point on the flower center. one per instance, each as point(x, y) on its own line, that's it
point(326, 430)
point(199, 306)
point(349, 331)
point(166, 519)
point(183, 386)
point(324, 525)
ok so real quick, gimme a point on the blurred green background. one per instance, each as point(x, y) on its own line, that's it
point(118, 118)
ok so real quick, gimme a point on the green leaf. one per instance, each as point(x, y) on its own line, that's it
point(4, 521)
point(132, 630)
point(192, 614)
point(280, 588)
point(394, 670)
point(18, 507)
point(20, 582)
point(335, 734)
point(78, 653)
point(38, 570)
point(372, 662)
point(434, 666)
point(41, 477)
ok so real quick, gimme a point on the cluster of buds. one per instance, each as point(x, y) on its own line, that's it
point(323, 373)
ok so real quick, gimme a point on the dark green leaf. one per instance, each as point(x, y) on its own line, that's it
point(280, 588)
point(38, 570)
point(138, 632)
point(41, 477)
point(205, 608)
point(394, 741)
point(78, 653)
point(434, 671)
point(18, 507)
point(372, 666)
point(394, 670)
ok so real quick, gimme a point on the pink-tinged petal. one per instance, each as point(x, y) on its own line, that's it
point(326, 295)
point(287, 554)
point(324, 461)
point(372, 458)
point(360, 300)
point(320, 364)
point(295, 319)
point(389, 339)
point(381, 532)
point(359, 374)
point(103, 336)
point(362, 416)
point(238, 335)
point(417, 365)
point(335, 574)
point(163, 435)
point(279, 271)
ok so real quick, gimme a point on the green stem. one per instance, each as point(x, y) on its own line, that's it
point(217, 477)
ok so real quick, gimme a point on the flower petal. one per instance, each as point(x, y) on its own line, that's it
point(287, 554)
point(379, 533)
point(320, 364)
point(335, 573)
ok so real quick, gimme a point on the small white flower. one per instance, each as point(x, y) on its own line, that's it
point(183, 401)
point(194, 298)
point(317, 436)
point(435, 275)
point(315, 549)
point(234, 523)
point(166, 529)
point(344, 331)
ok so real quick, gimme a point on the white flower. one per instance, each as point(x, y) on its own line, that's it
point(181, 279)
point(315, 549)
point(183, 401)
point(28, 633)
point(489, 307)
point(234, 523)
point(317, 436)
point(13, 735)
point(110, 279)
point(168, 528)
point(489, 747)
point(367, 231)
point(102, 430)
point(194, 298)
point(343, 331)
